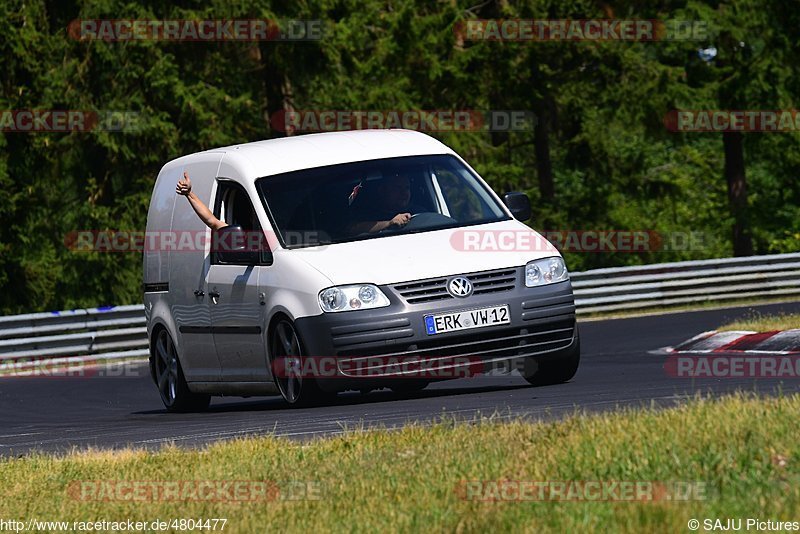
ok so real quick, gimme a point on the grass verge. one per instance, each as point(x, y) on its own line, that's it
point(764, 323)
point(743, 450)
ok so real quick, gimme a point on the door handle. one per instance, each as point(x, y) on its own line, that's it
point(214, 294)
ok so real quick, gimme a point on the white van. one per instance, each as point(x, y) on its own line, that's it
point(385, 261)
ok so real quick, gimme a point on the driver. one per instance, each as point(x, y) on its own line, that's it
point(392, 209)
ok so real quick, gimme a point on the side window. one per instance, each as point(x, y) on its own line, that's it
point(462, 202)
point(233, 207)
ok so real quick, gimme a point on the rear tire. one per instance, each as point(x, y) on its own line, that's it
point(169, 378)
point(555, 371)
point(286, 358)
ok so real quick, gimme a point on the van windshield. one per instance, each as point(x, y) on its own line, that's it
point(375, 198)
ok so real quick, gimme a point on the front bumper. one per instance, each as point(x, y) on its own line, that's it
point(371, 347)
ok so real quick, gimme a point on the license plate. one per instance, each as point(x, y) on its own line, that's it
point(465, 320)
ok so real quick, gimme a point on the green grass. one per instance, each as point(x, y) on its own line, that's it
point(743, 449)
point(764, 323)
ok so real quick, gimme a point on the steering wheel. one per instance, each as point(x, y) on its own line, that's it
point(420, 221)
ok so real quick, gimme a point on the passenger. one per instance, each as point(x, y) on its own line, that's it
point(392, 210)
point(184, 188)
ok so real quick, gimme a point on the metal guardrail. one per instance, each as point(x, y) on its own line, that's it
point(108, 333)
point(120, 332)
point(687, 282)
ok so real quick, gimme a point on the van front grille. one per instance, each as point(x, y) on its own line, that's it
point(434, 289)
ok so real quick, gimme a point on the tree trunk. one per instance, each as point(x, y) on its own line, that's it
point(541, 147)
point(542, 107)
point(737, 192)
point(277, 90)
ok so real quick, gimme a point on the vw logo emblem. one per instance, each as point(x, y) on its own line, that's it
point(459, 287)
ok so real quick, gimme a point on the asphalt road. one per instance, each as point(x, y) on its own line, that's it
point(56, 414)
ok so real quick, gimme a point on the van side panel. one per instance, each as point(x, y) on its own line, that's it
point(189, 262)
point(159, 219)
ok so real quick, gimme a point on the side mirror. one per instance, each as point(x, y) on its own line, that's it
point(233, 245)
point(519, 204)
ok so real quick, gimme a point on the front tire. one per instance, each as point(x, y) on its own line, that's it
point(554, 371)
point(171, 383)
point(286, 357)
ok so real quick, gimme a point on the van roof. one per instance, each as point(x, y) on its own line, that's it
point(286, 154)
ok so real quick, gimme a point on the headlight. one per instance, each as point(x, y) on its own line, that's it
point(546, 271)
point(348, 298)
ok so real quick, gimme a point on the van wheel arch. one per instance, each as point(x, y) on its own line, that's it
point(178, 398)
point(310, 393)
point(157, 328)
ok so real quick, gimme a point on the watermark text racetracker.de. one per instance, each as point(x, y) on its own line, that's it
point(781, 366)
point(181, 240)
point(71, 120)
point(418, 367)
point(721, 120)
point(581, 490)
point(572, 240)
point(227, 491)
point(80, 367)
point(208, 30)
point(636, 30)
point(431, 120)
